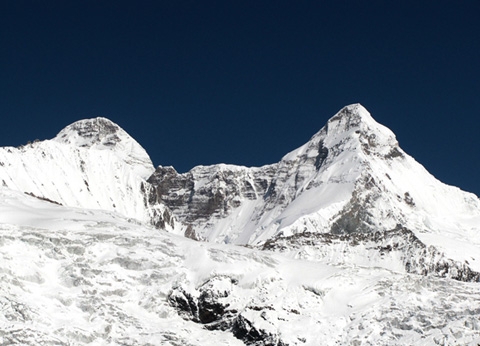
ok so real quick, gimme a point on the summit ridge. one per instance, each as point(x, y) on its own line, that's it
point(88, 132)
point(103, 134)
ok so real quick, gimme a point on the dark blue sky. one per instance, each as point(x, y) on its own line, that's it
point(244, 82)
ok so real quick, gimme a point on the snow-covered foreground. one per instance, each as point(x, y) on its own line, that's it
point(89, 277)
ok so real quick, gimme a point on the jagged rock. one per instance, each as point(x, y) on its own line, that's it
point(219, 192)
point(379, 248)
point(245, 330)
point(186, 305)
point(207, 305)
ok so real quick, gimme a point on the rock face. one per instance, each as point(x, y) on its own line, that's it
point(205, 195)
point(398, 250)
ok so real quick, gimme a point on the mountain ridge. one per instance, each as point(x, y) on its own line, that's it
point(347, 240)
point(350, 177)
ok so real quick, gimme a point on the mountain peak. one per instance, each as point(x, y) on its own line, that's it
point(355, 118)
point(352, 130)
point(91, 132)
point(351, 116)
point(103, 134)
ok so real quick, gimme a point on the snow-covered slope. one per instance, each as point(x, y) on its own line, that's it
point(92, 164)
point(351, 177)
point(90, 277)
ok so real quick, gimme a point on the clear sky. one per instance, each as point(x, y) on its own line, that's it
point(245, 82)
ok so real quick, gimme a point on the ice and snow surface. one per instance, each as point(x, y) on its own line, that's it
point(90, 277)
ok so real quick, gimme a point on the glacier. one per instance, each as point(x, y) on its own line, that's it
point(347, 240)
point(91, 277)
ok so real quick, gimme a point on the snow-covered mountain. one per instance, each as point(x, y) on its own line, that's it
point(90, 164)
point(348, 240)
point(350, 177)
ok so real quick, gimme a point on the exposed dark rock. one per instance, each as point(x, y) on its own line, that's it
point(207, 306)
point(190, 233)
point(322, 155)
point(160, 217)
point(417, 258)
point(355, 216)
point(185, 304)
point(348, 116)
point(245, 330)
point(43, 198)
point(218, 194)
point(210, 309)
point(408, 199)
point(394, 153)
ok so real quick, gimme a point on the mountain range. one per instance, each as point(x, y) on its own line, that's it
point(346, 240)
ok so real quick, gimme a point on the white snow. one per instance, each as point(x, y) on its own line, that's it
point(82, 171)
point(94, 277)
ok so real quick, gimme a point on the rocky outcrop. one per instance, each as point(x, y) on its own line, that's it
point(209, 305)
point(207, 192)
point(400, 246)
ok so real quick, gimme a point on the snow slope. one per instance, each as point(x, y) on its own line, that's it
point(74, 276)
point(92, 163)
